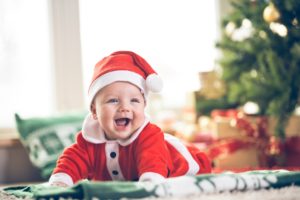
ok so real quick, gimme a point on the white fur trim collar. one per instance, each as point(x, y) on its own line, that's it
point(93, 132)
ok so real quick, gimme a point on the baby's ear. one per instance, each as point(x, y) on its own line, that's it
point(93, 110)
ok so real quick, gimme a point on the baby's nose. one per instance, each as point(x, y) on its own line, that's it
point(124, 107)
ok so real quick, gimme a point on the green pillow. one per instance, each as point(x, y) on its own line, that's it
point(46, 137)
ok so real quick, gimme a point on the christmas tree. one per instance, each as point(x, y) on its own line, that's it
point(260, 62)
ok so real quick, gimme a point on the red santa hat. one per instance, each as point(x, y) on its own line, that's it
point(124, 66)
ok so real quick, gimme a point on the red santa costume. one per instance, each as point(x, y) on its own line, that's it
point(148, 154)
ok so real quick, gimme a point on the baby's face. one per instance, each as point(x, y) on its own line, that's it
point(119, 108)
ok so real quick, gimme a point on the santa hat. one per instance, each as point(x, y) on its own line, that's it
point(124, 66)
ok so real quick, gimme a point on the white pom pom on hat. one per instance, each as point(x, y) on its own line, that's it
point(124, 66)
point(154, 83)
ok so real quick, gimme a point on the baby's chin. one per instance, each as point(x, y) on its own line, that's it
point(119, 136)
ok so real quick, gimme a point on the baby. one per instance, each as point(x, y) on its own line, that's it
point(117, 141)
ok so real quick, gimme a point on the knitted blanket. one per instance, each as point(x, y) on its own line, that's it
point(181, 187)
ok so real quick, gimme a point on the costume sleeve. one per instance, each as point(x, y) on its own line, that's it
point(201, 158)
point(152, 156)
point(74, 162)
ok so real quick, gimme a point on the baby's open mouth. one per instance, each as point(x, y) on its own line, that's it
point(122, 121)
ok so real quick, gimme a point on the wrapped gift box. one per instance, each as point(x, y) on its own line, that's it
point(224, 128)
point(243, 158)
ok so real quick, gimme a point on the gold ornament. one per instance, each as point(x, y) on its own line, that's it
point(271, 14)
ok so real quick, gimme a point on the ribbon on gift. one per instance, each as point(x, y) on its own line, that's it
point(227, 146)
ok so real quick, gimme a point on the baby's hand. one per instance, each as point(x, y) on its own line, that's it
point(59, 184)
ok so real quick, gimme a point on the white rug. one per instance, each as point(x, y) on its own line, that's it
point(287, 193)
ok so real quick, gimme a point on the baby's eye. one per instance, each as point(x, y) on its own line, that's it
point(135, 100)
point(114, 100)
